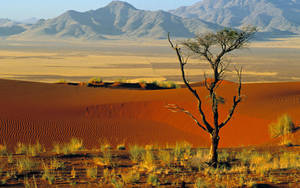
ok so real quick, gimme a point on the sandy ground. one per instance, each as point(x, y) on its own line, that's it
point(55, 113)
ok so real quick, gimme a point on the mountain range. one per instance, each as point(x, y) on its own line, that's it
point(267, 15)
point(121, 20)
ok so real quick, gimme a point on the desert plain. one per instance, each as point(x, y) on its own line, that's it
point(34, 108)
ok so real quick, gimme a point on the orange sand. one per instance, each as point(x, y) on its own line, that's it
point(55, 113)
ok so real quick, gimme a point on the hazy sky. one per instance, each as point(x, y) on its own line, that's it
point(23, 9)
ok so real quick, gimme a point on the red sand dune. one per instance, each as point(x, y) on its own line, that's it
point(55, 113)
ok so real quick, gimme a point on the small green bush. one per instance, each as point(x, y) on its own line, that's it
point(25, 164)
point(72, 147)
point(283, 126)
point(166, 84)
point(131, 177)
point(166, 157)
point(136, 153)
point(29, 150)
point(121, 147)
point(153, 180)
point(62, 81)
point(95, 80)
point(200, 183)
point(92, 172)
point(3, 150)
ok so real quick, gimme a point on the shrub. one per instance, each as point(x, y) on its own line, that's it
point(136, 152)
point(73, 173)
point(25, 164)
point(182, 150)
point(166, 157)
point(121, 147)
point(21, 148)
point(200, 183)
point(92, 172)
point(131, 177)
point(105, 160)
point(224, 156)
point(55, 164)
point(283, 126)
point(120, 80)
point(29, 150)
point(153, 180)
point(169, 84)
point(62, 81)
point(3, 150)
point(95, 80)
point(148, 160)
point(47, 175)
point(117, 182)
point(166, 84)
point(73, 146)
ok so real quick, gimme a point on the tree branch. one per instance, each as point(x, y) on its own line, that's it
point(236, 99)
point(175, 108)
point(182, 64)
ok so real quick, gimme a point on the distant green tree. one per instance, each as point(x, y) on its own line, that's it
point(213, 47)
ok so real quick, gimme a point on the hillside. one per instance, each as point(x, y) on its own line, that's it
point(276, 16)
point(9, 27)
point(118, 19)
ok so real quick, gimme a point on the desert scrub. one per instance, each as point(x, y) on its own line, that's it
point(21, 148)
point(131, 177)
point(56, 164)
point(120, 80)
point(105, 159)
point(148, 160)
point(73, 173)
point(95, 80)
point(117, 182)
point(107, 175)
point(166, 157)
point(169, 84)
point(153, 180)
point(3, 150)
point(72, 147)
point(62, 81)
point(182, 150)
point(29, 150)
point(105, 145)
point(47, 174)
point(283, 126)
point(92, 172)
point(288, 160)
point(25, 165)
point(224, 156)
point(136, 153)
point(121, 147)
point(10, 159)
point(200, 183)
point(7, 176)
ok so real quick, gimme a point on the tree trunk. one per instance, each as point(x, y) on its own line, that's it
point(214, 149)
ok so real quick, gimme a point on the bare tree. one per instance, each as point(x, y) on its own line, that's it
point(213, 47)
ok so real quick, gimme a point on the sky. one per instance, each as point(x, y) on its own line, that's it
point(24, 9)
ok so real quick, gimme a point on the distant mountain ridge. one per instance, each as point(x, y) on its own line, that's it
point(9, 27)
point(268, 15)
point(118, 19)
